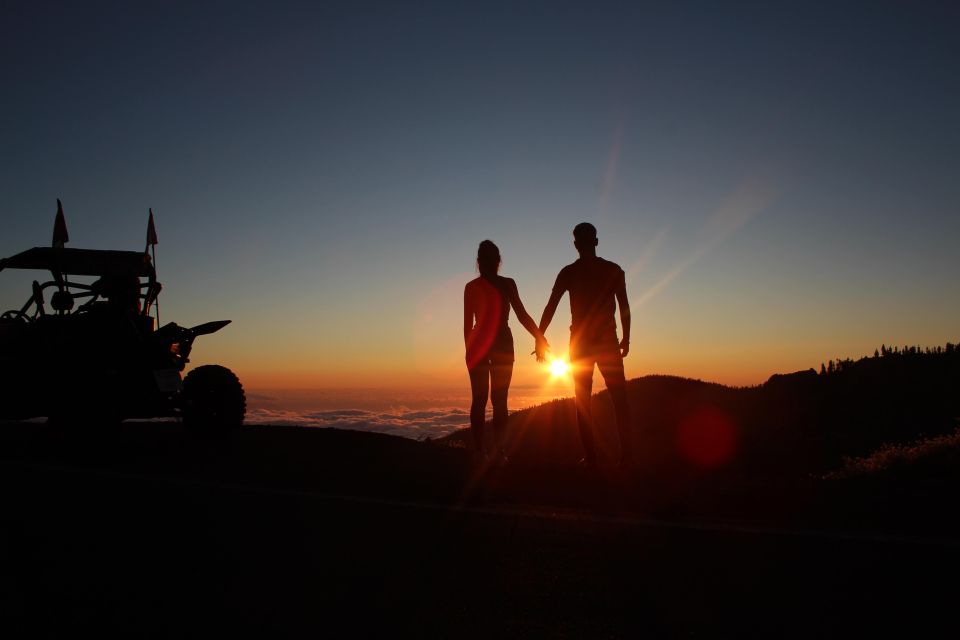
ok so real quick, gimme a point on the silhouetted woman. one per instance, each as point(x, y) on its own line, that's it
point(486, 308)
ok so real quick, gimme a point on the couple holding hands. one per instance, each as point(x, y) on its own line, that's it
point(597, 287)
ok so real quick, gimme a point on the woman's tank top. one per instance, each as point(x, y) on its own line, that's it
point(489, 298)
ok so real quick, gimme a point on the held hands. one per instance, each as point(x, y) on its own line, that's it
point(624, 347)
point(541, 349)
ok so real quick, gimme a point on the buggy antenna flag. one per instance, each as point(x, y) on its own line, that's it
point(151, 249)
point(60, 236)
point(151, 233)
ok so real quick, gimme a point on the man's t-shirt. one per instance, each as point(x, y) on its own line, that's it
point(592, 283)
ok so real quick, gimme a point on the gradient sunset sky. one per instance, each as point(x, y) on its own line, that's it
point(778, 179)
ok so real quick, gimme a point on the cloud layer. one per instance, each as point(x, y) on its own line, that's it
point(417, 424)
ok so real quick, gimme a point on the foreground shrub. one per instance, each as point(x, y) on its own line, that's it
point(928, 456)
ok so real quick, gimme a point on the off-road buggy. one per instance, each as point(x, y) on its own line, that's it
point(89, 351)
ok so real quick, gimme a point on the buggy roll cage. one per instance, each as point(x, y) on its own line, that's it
point(81, 262)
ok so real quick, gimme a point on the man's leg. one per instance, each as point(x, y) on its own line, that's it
point(611, 368)
point(583, 389)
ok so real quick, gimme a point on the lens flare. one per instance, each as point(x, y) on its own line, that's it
point(709, 438)
point(559, 368)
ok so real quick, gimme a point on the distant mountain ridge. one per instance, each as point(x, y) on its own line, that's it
point(794, 424)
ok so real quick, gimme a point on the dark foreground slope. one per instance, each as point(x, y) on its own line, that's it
point(732, 524)
point(148, 532)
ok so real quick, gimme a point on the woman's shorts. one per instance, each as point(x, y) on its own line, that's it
point(500, 352)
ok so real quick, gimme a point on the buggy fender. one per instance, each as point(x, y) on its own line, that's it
point(209, 327)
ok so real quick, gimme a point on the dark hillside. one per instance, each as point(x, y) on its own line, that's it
point(792, 426)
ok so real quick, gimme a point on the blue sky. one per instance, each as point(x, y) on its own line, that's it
point(778, 178)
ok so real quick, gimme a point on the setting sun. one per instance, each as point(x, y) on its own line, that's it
point(559, 368)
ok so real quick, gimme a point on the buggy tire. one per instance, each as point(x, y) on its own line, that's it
point(214, 400)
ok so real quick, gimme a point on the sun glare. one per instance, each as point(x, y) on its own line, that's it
point(559, 368)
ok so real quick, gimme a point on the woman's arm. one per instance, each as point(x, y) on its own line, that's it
point(522, 314)
point(542, 345)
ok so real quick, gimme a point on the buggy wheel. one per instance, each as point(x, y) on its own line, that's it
point(213, 399)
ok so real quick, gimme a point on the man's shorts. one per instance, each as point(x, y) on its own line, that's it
point(602, 351)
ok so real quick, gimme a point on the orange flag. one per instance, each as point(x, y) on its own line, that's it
point(60, 236)
point(151, 232)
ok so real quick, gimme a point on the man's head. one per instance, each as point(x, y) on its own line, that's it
point(585, 239)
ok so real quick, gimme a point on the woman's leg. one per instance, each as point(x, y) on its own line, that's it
point(501, 371)
point(480, 388)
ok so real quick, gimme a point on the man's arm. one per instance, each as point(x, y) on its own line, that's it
point(559, 288)
point(545, 319)
point(550, 309)
point(624, 306)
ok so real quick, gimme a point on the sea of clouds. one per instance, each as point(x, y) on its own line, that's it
point(415, 414)
point(417, 424)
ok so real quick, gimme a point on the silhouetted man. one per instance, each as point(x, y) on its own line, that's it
point(596, 287)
